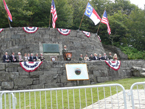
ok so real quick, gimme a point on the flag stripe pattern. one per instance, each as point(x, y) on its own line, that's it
point(88, 34)
point(1, 30)
point(105, 21)
point(64, 32)
point(30, 29)
point(54, 13)
point(115, 65)
point(99, 38)
point(7, 10)
point(30, 66)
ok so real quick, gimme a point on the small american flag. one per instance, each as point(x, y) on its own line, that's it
point(105, 21)
point(54, 14)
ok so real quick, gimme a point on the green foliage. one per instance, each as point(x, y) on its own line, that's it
point(133, 53)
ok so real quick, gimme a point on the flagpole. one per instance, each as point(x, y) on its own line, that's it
point(83, 16)
point(9, 22)
point(100, 22)
point(49, 19)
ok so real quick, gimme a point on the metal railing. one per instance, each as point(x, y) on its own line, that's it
point(138, 95)
point(11, 100)
point(87, 97)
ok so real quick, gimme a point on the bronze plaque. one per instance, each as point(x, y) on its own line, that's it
point(50, 48)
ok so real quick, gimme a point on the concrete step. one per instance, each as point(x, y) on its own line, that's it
point(142, 74)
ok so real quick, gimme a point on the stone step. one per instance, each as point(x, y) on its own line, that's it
point(143, 74)
point(143, 69)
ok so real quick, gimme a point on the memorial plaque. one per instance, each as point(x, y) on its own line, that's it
point(50, 48)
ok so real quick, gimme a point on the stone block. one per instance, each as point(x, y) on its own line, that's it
point(64, 72)
point(22, 73)
point(16, 87)
point(12, 69)
point(47, 66)
point(7, 85)
point(14, 75)
point(69, 84)
point(74, 83)
point(58, 65)
point(97, 67)
point(52, 32)
point(92, 78)
point(102, 79)
point(64, 79)
point(4, 76)
point(51, 84)
point(51, 72)
point(80, 35)
point(11, 65)
point(36, 74)
point(35, 82)
point(23, 81)
point(48, 76)
point(2, 67)
point(86, 82)
point(39, 86)
point(96, 73)
point(73, 33)
point(81, 83)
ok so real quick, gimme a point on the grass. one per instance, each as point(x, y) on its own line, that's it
point(126, 83)
point(42, 100)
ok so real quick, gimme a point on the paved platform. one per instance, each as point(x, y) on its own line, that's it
point(117, 102)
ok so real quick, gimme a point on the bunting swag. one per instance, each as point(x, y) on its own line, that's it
point(30, 29)
point(115, 65)
point(30, 66)
point(87, 33)
point(1, 30)
point(64, 32)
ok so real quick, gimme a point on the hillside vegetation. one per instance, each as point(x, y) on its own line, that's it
point(126, 20)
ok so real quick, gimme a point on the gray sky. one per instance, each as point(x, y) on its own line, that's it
point(139, 3)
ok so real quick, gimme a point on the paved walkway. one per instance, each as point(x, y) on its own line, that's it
point(117, 101)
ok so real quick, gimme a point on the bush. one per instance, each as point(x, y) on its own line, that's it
point(133, 53)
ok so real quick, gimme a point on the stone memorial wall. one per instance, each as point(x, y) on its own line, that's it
point(53, 74)
point(17, 40)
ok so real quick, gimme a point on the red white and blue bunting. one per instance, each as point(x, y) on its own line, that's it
point(88, 34)
point(30, 66)
point(30, 29)
point(1, 30)
point(64, 32)
point(99, 38)
point(115, 65)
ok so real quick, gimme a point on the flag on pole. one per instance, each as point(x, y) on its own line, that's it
point(7, 10)
point(105, 21)
point(54, 14)
point(92, 14)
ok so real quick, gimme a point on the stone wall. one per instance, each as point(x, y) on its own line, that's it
point(53, 74)
point(16, 40)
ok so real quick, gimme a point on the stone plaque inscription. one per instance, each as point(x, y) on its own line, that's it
point(50, 48)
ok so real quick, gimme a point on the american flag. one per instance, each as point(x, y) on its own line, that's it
point(54, 14)
point(7, 10)
point(105, 21)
